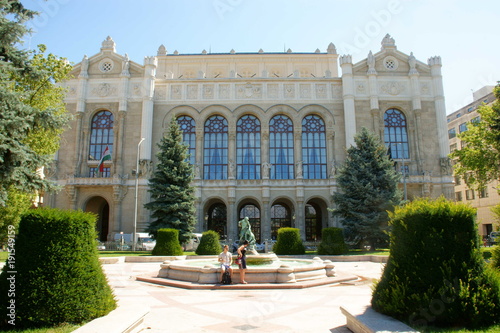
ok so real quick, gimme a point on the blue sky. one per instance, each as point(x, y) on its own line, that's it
point(463, 33)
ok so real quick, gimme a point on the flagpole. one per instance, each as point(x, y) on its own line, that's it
point(136, 192)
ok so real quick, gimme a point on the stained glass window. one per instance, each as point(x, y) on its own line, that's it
point(281, 147)
point(313, 148)
point(395, 134)
point(188, 128)
point(215, 148)
point(248, 148)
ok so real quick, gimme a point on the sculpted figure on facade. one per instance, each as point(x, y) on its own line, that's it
point(266, 166)
point(298, 165)
point(126, 65)
point(84, 66)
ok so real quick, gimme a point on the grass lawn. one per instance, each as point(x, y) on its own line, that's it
point(63, 328)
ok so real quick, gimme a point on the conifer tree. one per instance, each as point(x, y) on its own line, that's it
point(172, 195)
point(368, 187)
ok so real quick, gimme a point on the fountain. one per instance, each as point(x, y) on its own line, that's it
point(261, 268)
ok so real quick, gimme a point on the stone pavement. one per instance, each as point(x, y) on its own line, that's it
point(175, 310)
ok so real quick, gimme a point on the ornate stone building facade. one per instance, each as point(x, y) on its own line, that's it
point(266, 132)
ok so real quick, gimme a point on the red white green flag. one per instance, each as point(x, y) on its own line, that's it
point(106, 156)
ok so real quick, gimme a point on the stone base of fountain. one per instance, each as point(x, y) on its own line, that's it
point(261, 269)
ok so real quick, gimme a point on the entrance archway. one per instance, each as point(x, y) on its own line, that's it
point(253, 213)
point(100, 207)
point(281, 217)
point(217, 219)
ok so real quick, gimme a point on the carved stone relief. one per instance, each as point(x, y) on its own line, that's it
point(192, 91)
point(392, 88)
point(425, 89)
point(321, 91)
point(103, 90)
point(208, 91)
point(160, 93)
point(272, 90)
point(244, 91)
point(224, 91)
point(305, 91)
point(360, 87)
point(289, 90)
point(176, 91)
point(337, 91)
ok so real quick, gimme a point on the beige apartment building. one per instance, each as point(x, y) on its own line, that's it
point(266, 132)
point(485, 199)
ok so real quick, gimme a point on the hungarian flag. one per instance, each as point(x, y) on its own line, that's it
point(106, 156)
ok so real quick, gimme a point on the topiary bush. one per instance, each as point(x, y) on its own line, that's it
point(435, 273)
point(209, 243)
point(167, 243)
point(54, 275)
point(332, 242)
point(289, 242)
point(495, 257)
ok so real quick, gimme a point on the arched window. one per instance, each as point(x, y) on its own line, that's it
point(395, 134)
point(188, 128)
point(281, 147)
point(101, 136)
point(313, 147)
point(215, 148)
point(253, 214)
point(248, 148)
point(281, 217)
point(313, 222)
point(217, 219)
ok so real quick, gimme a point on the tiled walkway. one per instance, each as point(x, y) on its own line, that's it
point(301, 310)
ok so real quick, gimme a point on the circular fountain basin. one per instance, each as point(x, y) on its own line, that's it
point(260, 269)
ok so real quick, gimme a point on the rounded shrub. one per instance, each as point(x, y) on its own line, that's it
point(167, 243)
point(332, 242)
point(289, 242)
point(55, 275)
point(209, 243)
point(435, 274)
point(495, 257)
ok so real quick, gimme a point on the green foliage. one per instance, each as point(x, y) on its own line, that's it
point(167, 243)
point(495, 257)
point(58, 275)
point(33, 113)
point(368, 187)
point(477, 160)
point(332, 242)
point(209, 243)
point(435, 273)
point(17, 204)
point(496, 213)
point(172, 196)
point(289, 242)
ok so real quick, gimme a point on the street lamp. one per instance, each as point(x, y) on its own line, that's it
point(136, 192)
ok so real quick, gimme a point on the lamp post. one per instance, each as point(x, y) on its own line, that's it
point(136, 192)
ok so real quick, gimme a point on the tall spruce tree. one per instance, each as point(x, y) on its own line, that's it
point(368, 187)
point(32, 112)
point(172, 195)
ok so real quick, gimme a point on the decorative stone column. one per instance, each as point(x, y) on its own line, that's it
point(150, 64)
point(372, 86)
point(80, 109)
point(348, 96)
point(437, 82)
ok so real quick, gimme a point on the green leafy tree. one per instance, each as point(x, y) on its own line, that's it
point(368, 187)
point(33, 113)
point(172, 195)
point(478, 162)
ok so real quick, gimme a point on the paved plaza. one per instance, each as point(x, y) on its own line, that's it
point(290, 310)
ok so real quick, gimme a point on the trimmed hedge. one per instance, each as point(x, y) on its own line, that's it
point(167, 243)
point(435, 274)
point(58, 277)
point(209, 243)
point(289, 242)
point(332, 242)
point(495, 257)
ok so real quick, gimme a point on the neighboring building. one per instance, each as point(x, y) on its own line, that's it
point(266, 132)
point(485, 199)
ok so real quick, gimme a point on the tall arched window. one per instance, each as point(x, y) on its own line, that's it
point(313, 147)
point(188, 128)
point(281, 147)
point(281, 217)
point(395, 134)
point(215, 148)
point(248, 148)
point(217, 219)
point(101, 136)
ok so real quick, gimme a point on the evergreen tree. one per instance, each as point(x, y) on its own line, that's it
point(172, 195)
point(368, 187)
point(32, 113)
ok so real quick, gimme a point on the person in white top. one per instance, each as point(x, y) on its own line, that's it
point(226, 259)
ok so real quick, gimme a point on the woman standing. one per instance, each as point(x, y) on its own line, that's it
point(242, 261)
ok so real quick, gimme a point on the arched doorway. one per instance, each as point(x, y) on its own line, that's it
point(281, 217)
point(314, 219)
point(253, 213)
point(217, 219)
point(100, 207)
